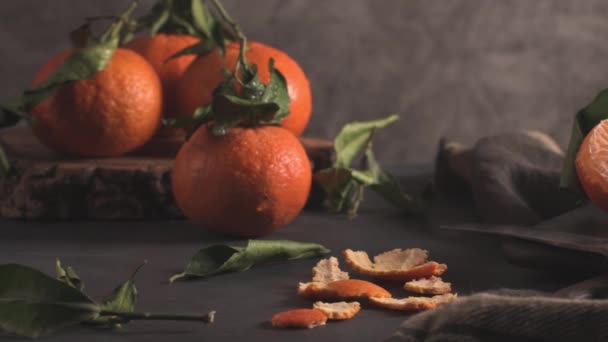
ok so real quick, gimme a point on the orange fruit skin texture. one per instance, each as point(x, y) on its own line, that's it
point(352, 288)
point(115, 111)
point(247, 183)
point(299, 318)
point(589, 160)
point(157, 50)
point(195, 89)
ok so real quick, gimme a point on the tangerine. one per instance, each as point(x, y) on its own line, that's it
point(249, 182)
point(157, 50)
point(592, 165)
point(196, 87)
point(113, 112)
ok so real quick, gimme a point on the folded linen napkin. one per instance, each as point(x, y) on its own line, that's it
point(514, 177)
point(514, 180)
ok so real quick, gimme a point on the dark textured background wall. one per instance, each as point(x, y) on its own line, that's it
point(462, 68)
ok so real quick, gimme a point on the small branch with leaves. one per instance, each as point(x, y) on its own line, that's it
point(344, 184)
point(33, 304)
point(242, 99)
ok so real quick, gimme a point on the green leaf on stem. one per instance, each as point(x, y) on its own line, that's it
point(586, 119)
point(340, 187)
point(203, 19)
point(191, 17)
point(242, 99)
point(158, 20)
point(353, 138)
point(276, 92)
point(80, 65)
point(231, 111)
point(344, 184)
point(387, 186)
point(218, 259)
point(169, 16)
point(123, 299)
point(68, 275)
point(33, 304)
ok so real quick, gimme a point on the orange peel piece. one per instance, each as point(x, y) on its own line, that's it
point(339, 310)
point(413, 304)
point(299, 318)
point(342, 289)
point(432, 286)
point(396, 264)
point(327, 271)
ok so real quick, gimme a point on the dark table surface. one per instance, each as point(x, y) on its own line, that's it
point(105, 253)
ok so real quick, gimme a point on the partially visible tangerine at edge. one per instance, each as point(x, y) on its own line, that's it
point(592, 165)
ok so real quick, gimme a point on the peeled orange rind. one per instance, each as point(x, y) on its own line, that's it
point(342, 289)
point(413, 304)
point(327, 271)
point(431, 286)
point(299, 318)
point(397, 264)
point(339, 310)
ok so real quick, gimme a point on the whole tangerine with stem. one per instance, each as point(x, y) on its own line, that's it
point(196, 87)
point(249, 182)
point(157, 50)
point(592, 165)
point(115, 111)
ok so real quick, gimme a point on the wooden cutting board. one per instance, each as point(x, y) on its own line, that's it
point(46, 186)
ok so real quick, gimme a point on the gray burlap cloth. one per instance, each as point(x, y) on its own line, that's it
point(514, 180)
point(503, 317)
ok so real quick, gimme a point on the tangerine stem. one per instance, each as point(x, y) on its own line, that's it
point(113, 32)
point(147, 316)
point(237, 30)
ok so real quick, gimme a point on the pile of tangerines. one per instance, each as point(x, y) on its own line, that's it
point(248, 179)
point(243, 105)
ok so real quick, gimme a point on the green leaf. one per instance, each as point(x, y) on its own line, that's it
point(218, 259)
point(388, 187)
point(11, 112)
point(202, 18)
point(231, 111)
point(344, 184)
point(180, 16)
point(68, 276)
point(33, 304)
point(339, 185)
point(80, 65)
point(353, 138)
point(276, 92)
point(585, 120)
point(124, 296)
point(116, 31)
point(158, 21)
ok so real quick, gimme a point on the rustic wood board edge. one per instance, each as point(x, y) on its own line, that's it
point(45, 186)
